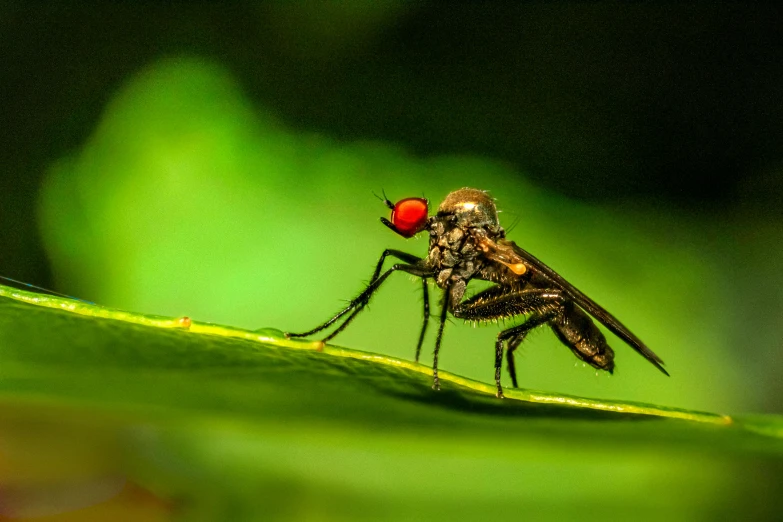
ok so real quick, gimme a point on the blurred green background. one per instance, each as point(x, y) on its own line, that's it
point(220, 162)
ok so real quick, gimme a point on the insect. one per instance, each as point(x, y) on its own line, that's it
point(466, 243)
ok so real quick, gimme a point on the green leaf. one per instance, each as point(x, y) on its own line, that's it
point(207, 422)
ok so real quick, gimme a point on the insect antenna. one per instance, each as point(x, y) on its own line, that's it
point(384, 199)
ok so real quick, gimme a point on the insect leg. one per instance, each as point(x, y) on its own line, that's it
point(541, 304)
point(443, 312)
point(426, 316)
point(358, 304)
point(402, 256)
point(500, 302)
point(510, 364)
point(511, 347)
point(408, 258)
point(515, 336)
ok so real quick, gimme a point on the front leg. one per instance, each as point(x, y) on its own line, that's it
point(413, 260)
point(362, 299)
point(403, 256)
point(399, 254)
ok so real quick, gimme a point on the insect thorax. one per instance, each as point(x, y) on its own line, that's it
point(453, 252)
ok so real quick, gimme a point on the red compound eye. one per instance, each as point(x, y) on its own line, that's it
point(409, 216)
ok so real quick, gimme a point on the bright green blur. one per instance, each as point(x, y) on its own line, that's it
point(188, 200)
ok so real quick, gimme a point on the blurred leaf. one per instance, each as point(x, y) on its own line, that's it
point(215, 423)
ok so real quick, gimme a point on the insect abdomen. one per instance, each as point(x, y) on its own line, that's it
point(577, 331)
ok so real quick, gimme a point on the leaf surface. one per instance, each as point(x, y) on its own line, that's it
point(188, 420)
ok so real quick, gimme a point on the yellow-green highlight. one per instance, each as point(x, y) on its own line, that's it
point(276, 338)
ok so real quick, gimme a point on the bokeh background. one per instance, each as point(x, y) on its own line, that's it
point(219, 161)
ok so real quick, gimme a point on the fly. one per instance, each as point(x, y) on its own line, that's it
point(466, 243)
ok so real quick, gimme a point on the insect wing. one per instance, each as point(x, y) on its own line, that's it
point(588, 305)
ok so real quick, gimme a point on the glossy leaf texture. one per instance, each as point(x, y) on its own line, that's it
point(113, 415)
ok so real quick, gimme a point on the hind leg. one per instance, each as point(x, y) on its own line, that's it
point(515, 336)
point(513, 343)
point(541, 305)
